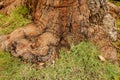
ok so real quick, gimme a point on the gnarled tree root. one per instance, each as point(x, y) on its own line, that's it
point(30, 45)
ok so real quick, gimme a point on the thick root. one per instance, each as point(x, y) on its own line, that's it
point(30, 45)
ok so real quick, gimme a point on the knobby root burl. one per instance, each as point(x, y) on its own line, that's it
point(30, 44)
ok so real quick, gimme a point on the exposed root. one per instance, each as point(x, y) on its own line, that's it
point(30, 45)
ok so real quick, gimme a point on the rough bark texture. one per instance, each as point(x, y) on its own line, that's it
point(57, 23)
point(6, 6)
point(114, 10)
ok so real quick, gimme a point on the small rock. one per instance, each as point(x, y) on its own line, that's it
point(101, 58)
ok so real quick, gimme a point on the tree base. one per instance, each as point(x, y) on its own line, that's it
point(59, 24)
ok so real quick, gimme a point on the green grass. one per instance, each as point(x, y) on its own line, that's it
point(118, 24)
point(80, 63)
point(16, 19)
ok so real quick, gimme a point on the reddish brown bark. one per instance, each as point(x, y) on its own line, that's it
point(6, 6)
point(57, 23)
point(114, 10)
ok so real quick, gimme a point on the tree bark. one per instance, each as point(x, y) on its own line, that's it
point(6, 6)
point(57, 23)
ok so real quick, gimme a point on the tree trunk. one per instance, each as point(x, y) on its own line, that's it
point(57, 23)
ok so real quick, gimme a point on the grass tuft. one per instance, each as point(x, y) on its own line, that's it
point(16, 19)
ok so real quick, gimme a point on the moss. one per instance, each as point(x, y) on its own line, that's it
point(116, 2)
point(17, 18)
